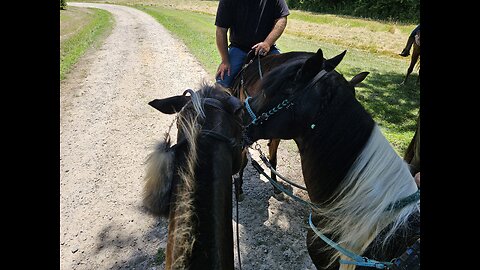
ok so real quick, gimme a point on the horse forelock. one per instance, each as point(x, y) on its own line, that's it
point(184, 236)
point(356, 213)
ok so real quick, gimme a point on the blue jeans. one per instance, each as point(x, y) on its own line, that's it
point(236, 57)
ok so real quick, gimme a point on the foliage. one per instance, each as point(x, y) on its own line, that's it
point(63, 4)
point(391, 10)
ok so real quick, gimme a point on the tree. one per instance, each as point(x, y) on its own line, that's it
point(63, 4)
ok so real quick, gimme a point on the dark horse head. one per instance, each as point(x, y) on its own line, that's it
point(191, 180)
point(248, 83)
point(350, 170)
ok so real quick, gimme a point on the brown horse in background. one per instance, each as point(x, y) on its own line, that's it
point(415, 58)
point(247, 84)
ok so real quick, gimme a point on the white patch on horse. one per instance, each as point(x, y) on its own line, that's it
point(377, 178)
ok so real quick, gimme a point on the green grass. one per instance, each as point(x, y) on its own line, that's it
point(393, 107)
point(347, 21)
point(73, 47)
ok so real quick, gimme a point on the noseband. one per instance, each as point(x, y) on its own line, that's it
point(258, 120)
point(286, 103)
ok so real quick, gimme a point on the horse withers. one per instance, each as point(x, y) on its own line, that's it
point(365, 197)
point(191, 181)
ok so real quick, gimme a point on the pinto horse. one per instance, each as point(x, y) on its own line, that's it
point(191, 181)
point(366, 199)
point(247, 84)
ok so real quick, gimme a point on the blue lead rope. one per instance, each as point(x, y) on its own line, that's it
point(249, 110)
point(358, 260)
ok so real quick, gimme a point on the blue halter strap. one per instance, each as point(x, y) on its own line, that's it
point(250, 111)
point(358, 260)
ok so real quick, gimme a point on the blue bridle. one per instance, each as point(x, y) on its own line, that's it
point(356, 259)
point(258, 120)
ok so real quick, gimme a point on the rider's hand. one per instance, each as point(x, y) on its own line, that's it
point(261, 48)
point(222, 68)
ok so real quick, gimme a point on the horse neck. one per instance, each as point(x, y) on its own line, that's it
point(214, 209)
point(354, 172)
point(328, 151)
point(209, 241)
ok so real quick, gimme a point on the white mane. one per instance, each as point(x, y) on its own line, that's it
point(357, 212)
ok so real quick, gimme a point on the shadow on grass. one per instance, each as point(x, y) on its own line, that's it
point(391, 104)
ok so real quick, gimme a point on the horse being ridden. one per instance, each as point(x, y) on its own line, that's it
point(191, 181)
point(363, 191)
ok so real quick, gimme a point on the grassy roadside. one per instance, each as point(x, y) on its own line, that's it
point(393, 106)
point(371, 46)
point(381, 37)
point(80, 28)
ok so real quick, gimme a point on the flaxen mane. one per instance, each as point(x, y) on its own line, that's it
point(357, 213)
point(170, 181)
point(157, 193)
point(184, 207)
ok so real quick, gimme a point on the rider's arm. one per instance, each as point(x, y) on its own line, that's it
point(272, 37)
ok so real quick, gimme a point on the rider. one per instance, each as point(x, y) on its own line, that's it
point(254, 25)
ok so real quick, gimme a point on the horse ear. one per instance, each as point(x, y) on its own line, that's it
point(170, 105)
point(311, 67)
point(358, 78)
point(330, 64)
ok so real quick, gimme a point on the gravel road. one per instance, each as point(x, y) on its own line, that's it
point(107, 130)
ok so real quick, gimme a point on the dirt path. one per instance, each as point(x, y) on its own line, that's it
point(107, 129)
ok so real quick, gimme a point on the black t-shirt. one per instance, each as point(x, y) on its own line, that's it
point(247, 23)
